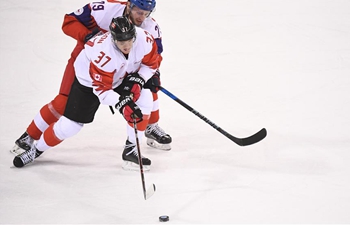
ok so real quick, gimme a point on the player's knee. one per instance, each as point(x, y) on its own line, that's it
point(59, 103)
point(65, 128)
point(145, 102)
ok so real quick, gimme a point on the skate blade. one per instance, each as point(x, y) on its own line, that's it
point(130, 166)
point(17, 150)
point(152, 143)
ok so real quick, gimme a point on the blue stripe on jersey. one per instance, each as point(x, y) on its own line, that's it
point(159, 45)
point(85, 18)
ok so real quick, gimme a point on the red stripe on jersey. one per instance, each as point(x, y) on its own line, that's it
point(152, 59)
point(102, 80)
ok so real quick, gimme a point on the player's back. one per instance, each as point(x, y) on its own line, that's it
point(150, 25)
point(104, 11)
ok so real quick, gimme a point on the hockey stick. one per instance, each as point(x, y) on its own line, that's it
point(150, 191)
point(239, 141)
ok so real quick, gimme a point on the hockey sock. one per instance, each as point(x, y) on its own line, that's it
point(50, 137)
point(154, 118)
point(48, 114)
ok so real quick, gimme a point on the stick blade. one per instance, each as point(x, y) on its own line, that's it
point(150, 191)
point(260, 135)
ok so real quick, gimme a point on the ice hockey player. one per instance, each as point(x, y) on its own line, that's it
point(111, 70)
point(82, 25)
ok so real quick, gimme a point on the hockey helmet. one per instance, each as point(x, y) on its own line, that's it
point(147, 5)
point(122, 29)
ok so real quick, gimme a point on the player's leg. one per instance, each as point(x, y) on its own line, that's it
point(130, 154)
point(52, 136)
point(156, 136)
point(50, 112)
point(81, 108)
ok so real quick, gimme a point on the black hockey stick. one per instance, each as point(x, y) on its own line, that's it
point(239, 141)
point(150, 191)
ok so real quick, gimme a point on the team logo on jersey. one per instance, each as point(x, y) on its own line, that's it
point(79, 12)
point(97, 77)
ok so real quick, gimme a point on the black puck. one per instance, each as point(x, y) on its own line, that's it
point(163, 218)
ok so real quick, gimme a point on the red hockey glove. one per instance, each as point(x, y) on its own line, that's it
point(154, 82)
point(132, 86)
point(129, 109)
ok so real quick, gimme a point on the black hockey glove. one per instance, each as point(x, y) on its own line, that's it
point(154, 82)
point(94, 32)
point(132, 86)
point(127, 107)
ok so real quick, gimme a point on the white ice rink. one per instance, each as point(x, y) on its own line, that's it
point(245, 65)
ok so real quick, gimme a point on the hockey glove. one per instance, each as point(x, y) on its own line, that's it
point(154, 82)
point(132, 86)
point(94, 32)
point(127, 107)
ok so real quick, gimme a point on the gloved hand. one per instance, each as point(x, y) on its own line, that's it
point(127, 107)
point(154, 82)
point(132, 86)
point(94, 32)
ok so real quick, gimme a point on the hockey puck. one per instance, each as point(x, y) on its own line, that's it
point(163, 218)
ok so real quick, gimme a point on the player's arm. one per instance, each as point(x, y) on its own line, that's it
point(79, 24)
point(102, 86)
point(102, 82)
point(154, 29)
point(151, 60)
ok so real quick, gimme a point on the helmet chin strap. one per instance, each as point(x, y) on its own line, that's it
point(129, 17)
point(127, 12)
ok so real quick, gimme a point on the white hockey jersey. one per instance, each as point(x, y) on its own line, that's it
point(101, 13)
point(102, 66)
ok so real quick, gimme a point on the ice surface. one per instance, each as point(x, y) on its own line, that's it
point(279, 64)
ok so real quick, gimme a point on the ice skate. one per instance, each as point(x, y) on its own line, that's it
point(157, 138)
point(26, 157)
point(22, 144)
point(131, 160)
